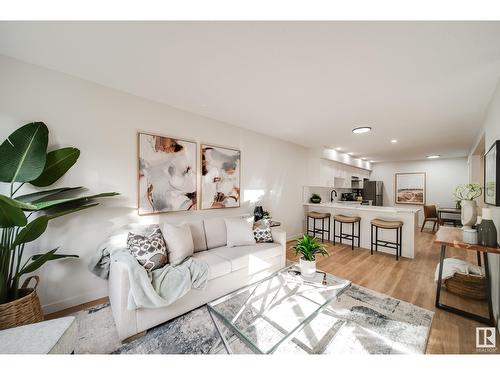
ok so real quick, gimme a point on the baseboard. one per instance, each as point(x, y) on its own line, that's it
point(294, 237)
point(74, 301)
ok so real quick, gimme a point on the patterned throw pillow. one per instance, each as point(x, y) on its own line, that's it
point(150, 251)
point(262, 231)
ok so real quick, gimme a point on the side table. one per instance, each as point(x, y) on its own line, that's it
point(56, 336)
point(453, 237)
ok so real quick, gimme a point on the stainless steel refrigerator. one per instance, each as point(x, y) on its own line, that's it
point(373, 190)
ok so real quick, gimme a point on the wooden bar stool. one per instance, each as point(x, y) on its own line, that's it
point(319, 216)
point(385, 224)
point(343, 219)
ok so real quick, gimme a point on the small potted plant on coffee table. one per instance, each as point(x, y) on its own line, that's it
point(308, 247)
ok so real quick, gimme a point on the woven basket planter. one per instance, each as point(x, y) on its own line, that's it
point(468, 286)
point(24, 310)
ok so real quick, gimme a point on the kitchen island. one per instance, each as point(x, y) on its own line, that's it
point(367, 213)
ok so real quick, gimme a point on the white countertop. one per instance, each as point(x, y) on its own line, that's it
point(357, 206)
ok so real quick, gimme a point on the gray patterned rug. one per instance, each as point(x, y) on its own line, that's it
point(361, 321)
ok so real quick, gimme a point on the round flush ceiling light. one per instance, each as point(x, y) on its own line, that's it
point(394, 141)
point(362, 129)
point(433, 156)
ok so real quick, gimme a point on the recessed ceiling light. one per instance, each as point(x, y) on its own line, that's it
point(363, 158)
point(338, 148)
point(349, 153)
point(372, 161)
point(394, 141)
point(361, 129)
point(433, 156)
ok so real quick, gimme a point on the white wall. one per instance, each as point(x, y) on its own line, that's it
point(442, 176)
point(103, 123)
point(491, 128)
point(476, 175)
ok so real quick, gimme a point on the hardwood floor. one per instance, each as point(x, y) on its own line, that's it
point(410, 280)
point(74, 309)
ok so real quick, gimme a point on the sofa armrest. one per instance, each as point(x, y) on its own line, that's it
point(279, 235)
point(118, 290)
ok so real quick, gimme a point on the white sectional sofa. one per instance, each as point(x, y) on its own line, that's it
point(230, 268)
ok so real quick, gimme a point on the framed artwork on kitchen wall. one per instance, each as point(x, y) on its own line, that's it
point(220, 177)
point(492, 175)
point(409, 188)
point(167, 180)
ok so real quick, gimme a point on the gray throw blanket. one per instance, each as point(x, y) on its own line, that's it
point(158, 288)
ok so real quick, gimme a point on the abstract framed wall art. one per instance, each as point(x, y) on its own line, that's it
point(167, 174)
point(220, 177)
point(410, 188)
point(492, 175)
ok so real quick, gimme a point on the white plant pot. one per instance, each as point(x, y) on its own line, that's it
point(307, 268)
point(469, 213)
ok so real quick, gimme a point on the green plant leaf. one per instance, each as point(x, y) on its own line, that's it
point(11, 215)
point(23, 153)
point(39, 260)
point(43, 205)
point(39, 195)
point(17, 203)
point(57, 214)
point(57, 164)
point(54, 256)
point(35, 264)
point(32, 231)
point(308, 247)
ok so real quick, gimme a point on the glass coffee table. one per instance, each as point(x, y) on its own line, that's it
point(268, 313)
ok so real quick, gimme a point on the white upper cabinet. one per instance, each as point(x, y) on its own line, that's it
point(334, 174)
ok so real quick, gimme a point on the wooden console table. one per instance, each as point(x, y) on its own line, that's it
point(453, 237)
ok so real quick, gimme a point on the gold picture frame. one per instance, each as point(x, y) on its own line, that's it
point(410, 188)
point(175, 197)
point(225, 163)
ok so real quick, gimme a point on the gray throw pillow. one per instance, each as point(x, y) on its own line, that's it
point(150, 251)
point(262, 231)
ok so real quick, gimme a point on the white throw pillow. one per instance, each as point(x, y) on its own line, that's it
point(239, 232)
point(179, 242)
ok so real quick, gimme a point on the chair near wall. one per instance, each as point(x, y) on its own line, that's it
point(430, 214)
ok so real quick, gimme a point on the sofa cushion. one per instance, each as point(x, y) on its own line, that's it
point(179, 242)
point(248, 256)
point(198, 233)
point(217, 265)
point(215, 232)
point(239, 232)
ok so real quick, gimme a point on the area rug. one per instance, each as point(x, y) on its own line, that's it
point(360, 321)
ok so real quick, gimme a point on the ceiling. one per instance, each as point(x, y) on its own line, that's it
point(426, 84)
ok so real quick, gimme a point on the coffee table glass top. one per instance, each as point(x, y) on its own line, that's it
point(268, 313)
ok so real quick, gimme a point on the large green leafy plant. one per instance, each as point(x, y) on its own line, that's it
point(309, 247)
point(24, 218)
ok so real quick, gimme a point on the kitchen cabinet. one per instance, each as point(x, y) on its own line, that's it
point(338, 175)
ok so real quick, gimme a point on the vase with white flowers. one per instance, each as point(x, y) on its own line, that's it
point(466, 194)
